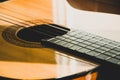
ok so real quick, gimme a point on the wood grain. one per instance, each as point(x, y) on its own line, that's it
point(27, 63)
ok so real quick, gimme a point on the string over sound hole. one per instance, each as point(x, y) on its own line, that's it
point(3, 0)
point(39, 32)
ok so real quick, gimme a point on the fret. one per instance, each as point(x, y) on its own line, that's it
point(89, 44)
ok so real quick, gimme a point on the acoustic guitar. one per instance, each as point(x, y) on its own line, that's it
point(23, 57)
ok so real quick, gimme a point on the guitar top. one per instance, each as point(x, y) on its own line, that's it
point(22, 55)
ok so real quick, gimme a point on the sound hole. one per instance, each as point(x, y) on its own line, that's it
point(3, 0)
point(39, 32)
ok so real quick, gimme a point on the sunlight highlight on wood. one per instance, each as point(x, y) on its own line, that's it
point(24, 62)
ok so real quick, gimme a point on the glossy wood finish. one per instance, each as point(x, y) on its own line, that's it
point(25, 63)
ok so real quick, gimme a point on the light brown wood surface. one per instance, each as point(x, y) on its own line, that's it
point(25, 63)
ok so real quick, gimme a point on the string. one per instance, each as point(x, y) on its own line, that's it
point(11, 18)
point(12, 9)
point(21, 23)
point(21, 18)
point(32, 22)
point(22, 14)
point(30, 25)
point(58, 53)
point(24, 20)
point(25, 24)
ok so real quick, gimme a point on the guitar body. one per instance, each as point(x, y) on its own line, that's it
point(22, 59)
